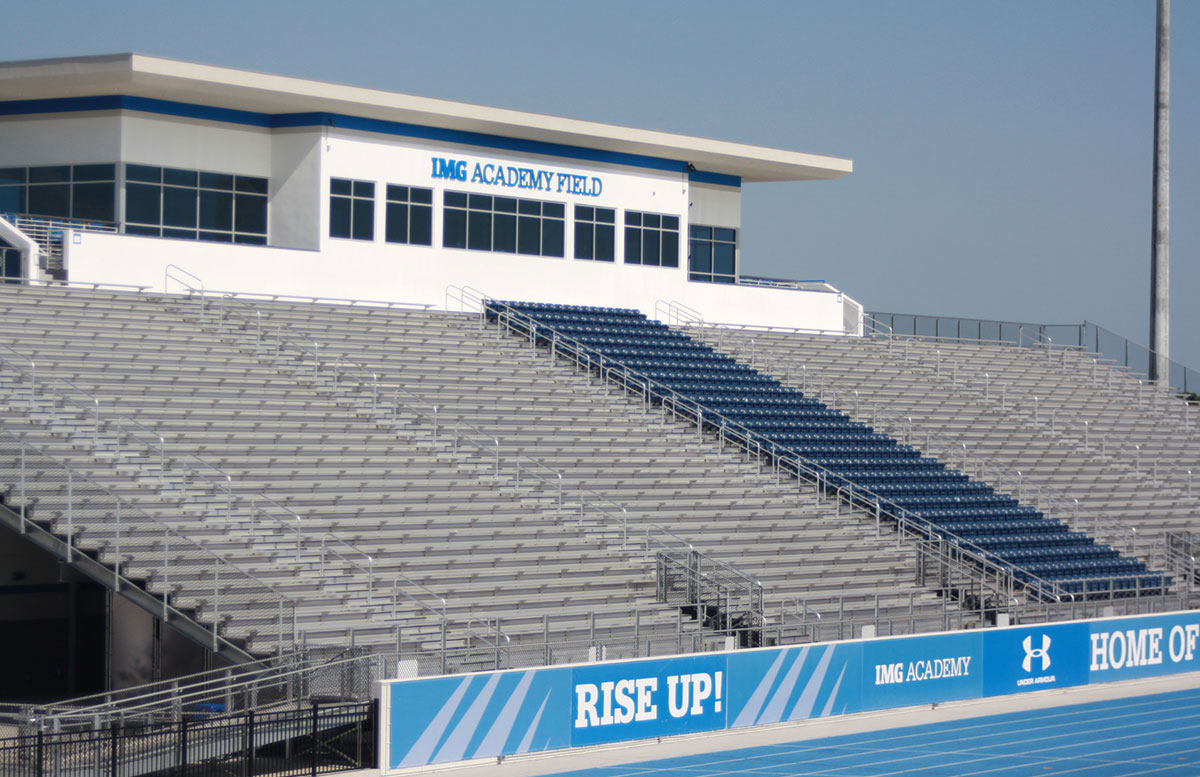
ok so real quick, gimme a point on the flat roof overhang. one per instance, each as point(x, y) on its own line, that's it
point(219, 87)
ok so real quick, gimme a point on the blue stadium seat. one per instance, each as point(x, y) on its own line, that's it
point(742, 401)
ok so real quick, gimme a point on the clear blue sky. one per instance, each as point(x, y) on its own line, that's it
point(1002, 148)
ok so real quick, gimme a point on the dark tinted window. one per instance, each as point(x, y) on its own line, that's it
point(595, 233)
point(409, 220)
point(351, 209)
point(483, 222)
point(181, 201)
point(651, 239)
point(50, 200)
point(712, 254)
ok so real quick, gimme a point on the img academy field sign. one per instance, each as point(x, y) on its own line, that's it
point(486, 715)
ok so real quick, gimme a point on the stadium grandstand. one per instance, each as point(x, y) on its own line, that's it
point(308, 387)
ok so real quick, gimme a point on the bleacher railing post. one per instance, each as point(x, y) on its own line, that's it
point(70, 513)
point(117, 565)
point(216, 606)
point(25, 501)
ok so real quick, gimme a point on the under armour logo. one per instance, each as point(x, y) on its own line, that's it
point(1031, 653)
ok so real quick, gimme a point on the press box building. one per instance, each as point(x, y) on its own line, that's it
point(153, 172)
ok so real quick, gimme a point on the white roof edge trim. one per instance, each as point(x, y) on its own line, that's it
point(237, 88)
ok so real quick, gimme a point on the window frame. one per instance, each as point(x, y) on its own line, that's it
point(648, 239)
point(711, 237)
point(205, 201)
point(589, 227)
point(358, 199)
point(412, 209)
point(77, 189)
point(481, 222)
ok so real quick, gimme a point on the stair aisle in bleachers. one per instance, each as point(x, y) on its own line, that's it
point(851, 453)
point(359, 504)
point(1071, 424)
point(808, 560)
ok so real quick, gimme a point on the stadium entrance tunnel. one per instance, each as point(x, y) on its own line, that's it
point(80, 635)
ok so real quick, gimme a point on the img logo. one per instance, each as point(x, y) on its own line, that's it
point(1031, 653)
point(453, 169)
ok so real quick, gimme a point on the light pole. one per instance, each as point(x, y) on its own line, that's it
point(1160, 222)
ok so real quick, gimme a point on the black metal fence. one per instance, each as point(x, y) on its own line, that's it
point(320, 739)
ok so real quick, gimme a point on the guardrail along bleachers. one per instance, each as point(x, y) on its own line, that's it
point(659, 471)
point(852, 454)
point(346, 513)
point(1113, 453)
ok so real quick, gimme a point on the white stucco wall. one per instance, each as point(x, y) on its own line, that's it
point(407, 162)
point(366, 271)
point(299, 194)
point(31, 141)
point(215, 147)
point(305, 261)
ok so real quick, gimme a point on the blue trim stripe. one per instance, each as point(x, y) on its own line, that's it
point(483, 140)
point(699, 176)
point(378, 126)
point(113, 102)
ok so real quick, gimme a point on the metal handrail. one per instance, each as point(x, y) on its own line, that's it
point(780, 283)
point(198, 467)
point(677, 312)
point(1053, 498)
point(347, 301)
point(20, 280)
point(876, 326)
point(170, 535)
point(174, 695)
point(801, 608)
point(463, 432)
point(1179, 472)
point(721, 327)
point(755, 443)
point(172, 272)
point(1082, 336)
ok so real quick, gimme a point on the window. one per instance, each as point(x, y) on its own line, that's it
point(83, 192)
point(595, 233)
point(652, 239)
point(195, 205)
point(482, 222)
point(409, 215)
point(712, 252)
point(351, 209)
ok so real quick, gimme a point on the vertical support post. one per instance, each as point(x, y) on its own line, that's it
point(250, 743)
point(216, 606)
point(1160, 365)
point(25, 502)
point(443, 645)
point(70, 514)
point(117, 565)
point(315, 743)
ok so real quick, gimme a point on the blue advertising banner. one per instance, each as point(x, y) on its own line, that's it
point(922, 670)
point(1131, 648)
point(445, 719)
point(1035, 658)
point(812, 681)
point(479, 716)
point(640, 699)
